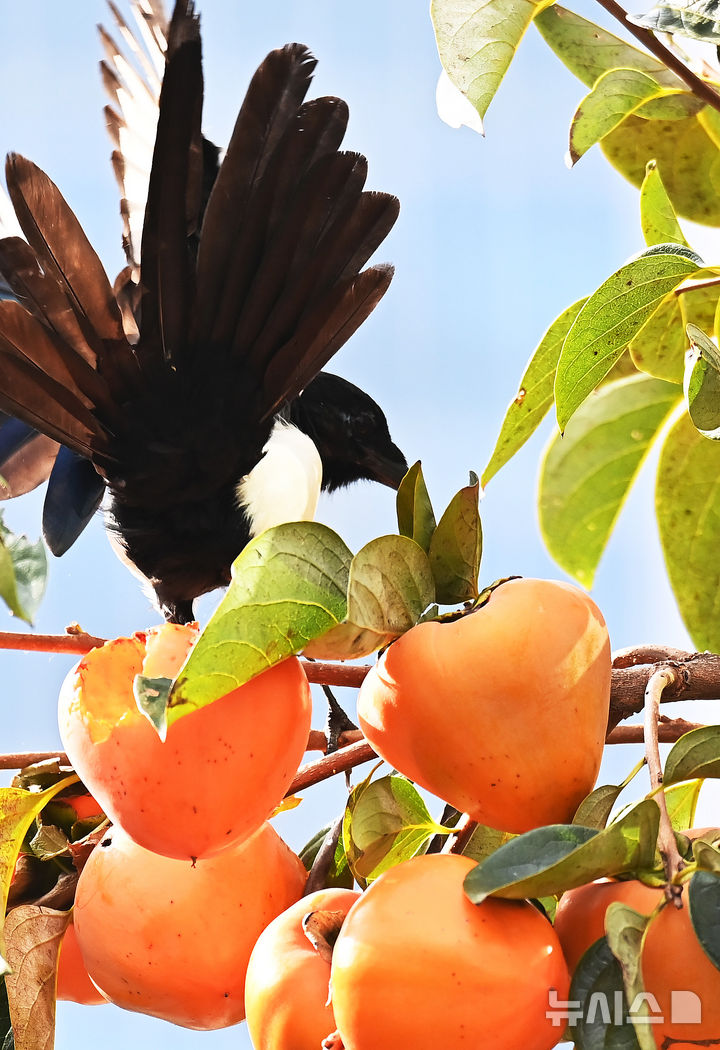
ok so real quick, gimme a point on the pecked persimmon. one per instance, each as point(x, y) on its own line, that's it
point(672, 960)
point(220, 772)
point(172, 938)
point(73, 982)
point(501, 713)
point(417, 965)
point(286, 990)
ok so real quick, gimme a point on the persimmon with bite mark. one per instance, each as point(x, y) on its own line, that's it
point(220, 772)
point(171, 938)
point(501, 713)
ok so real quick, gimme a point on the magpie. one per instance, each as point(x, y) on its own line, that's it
point(246, 291)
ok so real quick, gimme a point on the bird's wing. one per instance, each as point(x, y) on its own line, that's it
point(132, 72)
point(287, 230)
point(65, 364)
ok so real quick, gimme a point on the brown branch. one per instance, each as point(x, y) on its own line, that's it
point(76, 642)
point(647, 654)
point(21, 759)
point(327, 766)
point(697, 677)
point(669, 730)
point(673, 863)
point(698, 86)
point(693, 286)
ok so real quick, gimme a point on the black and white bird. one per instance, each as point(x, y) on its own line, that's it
point(192, 396)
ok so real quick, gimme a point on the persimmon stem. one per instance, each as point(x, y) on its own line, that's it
point(673, 863)
point(696, 84)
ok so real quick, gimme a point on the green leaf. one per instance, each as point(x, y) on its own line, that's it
point(18, 811)
point(597, 980)
point(660, 345)
point(704, 904)
point(702, 383)
point(594, 810)
point(484, 841)
point(681, 801)
point(389, 588)
point(386, 822)
point(339, 874)
point(657, 215)
point(23, 573)
point(609, 320)
point(615, 96)
point(586, 475)
point(456, 547)
point(687, 504)
point(625, 928)
point(535, 396)
point(152, 696)
point(693, 19)
point(694, 755)
point(414, 509)
point(289, 586)
point(547, 861)
point(706, 856)
point(686, 152)
point(33, 938)
point(477, 41)
point(587, 49)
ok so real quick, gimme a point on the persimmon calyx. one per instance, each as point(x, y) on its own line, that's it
point(322, 928)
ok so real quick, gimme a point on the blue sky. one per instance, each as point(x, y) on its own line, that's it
point(494, 239)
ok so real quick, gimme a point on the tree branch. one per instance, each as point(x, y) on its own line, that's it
point(659, 681)
point(696, 84)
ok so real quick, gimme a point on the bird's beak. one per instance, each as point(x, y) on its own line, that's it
point(388, 468)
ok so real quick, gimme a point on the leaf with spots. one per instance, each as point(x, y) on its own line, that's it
point(535, 395)
point(32, 937)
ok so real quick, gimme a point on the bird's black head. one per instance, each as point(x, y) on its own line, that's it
point(350, 432)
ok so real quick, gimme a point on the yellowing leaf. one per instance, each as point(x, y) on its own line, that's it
point(535, 395)
point(615, 96)
point(33, 937)
point(586, 475)
point(477, 41)
point(687, 504)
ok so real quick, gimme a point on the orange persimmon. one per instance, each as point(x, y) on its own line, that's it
point(172, 938)
point(417, 965)
point(73, 982)
point(220, 772)
point(672, 961)
point(502, 712)
point(286, 990)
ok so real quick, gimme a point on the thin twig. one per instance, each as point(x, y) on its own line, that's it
point(329, 765)
point(669, 730)
point(21, 759)
point(318, 874)
point(463, 835)
point(711, 282)
point(672, 861)
point(698, 86)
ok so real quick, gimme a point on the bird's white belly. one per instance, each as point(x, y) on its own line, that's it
point(285, 484)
